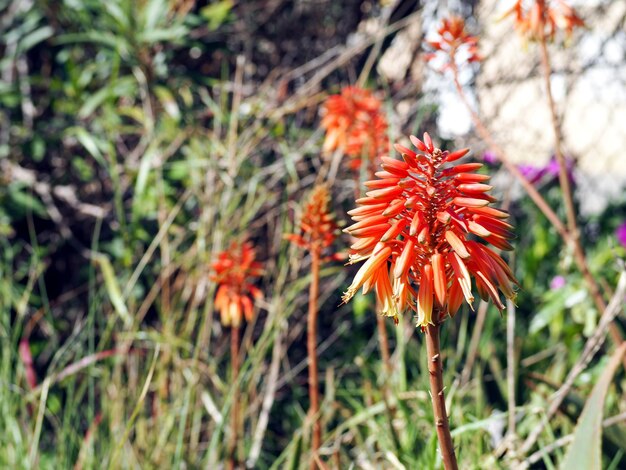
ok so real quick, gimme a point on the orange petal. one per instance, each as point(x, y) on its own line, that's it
point(389, 193)
point(376, 230)
point(248, 309)
point(451, 157)
point(455, 298)
point(439, 278)
point(474, 187)
point(395, 230)
point(424, 235)
point(395, 207)
point(405, 260)
point(429, 142)
point(418, 143)
point(416, 223)
point(456, 244)
point(384, 293)
point(381, 183)
point(425, 297)
point(478, 229)
point(471, 178)
point(369, 267)
point(365, 210)
point(462, 277)
point(469, 202)
point(367, 222)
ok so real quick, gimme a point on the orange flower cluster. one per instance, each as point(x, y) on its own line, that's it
point(235, 269)
point(355, 124)
point(453, 38)
point(417, 227)
point(318, 227)
point(543, 18)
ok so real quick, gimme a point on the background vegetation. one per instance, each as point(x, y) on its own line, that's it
point(137, 139)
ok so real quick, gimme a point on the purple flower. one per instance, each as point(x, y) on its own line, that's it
point(490, 158)
point(535, 174)
point(552, 168)
point(557, 282)
point(620, 233)
point(531, 172)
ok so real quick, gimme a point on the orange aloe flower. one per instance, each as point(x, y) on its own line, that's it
point(454, 42)
point(417, 229)
point(318, 226)
point(235, 270)
point(543, 18)
point(355, 125)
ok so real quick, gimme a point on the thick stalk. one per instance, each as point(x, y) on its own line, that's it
point(570, 239)
point(234, 415)
point(314, 408)
point(435, 371)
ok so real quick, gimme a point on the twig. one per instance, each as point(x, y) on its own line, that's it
point(268, 401)
point(369, 63)
point(511, 369)
point(234, 118)
point(558, 139)
point(614, 420)
point(381, 324)
point(566, 189)
point(350, 52)
point(563, 441)
point(592, 346)
point(474, 342)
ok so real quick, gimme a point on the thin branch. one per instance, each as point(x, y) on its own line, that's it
point(268, 401)
point(592, 346)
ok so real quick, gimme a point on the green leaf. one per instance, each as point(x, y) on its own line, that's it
point(101, 38)
point(34, 38)
point(25, 201)
point(113, 288)
point(89, 142)
point(123, 87)
point(216, 13)
point(154, 12)
point(585, 451)
point(163, 34)
point(168, 101)
point(554, 306)
point(296, 456)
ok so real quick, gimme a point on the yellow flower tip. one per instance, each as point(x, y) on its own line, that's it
point(389, 308)
point(347, 295)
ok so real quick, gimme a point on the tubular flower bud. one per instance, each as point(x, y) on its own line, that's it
point(234, 271)
point(423, 253)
